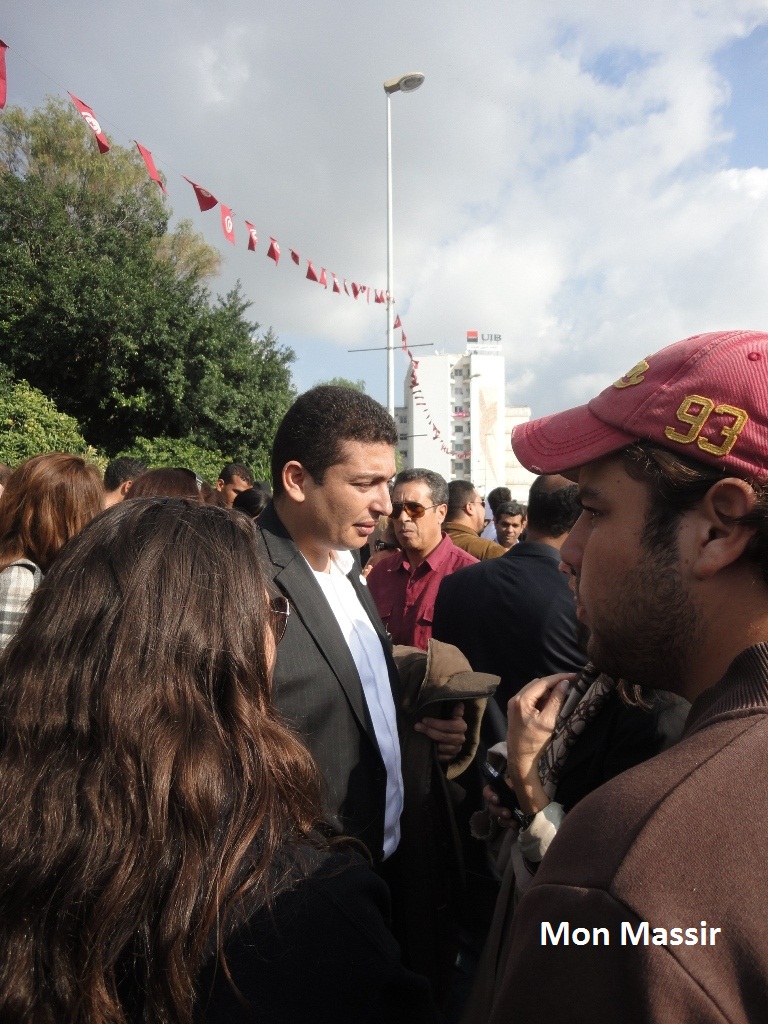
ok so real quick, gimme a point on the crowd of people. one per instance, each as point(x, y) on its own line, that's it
point(325, 749)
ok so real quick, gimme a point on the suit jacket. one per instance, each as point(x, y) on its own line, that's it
point(319, 693)
point(513, 616)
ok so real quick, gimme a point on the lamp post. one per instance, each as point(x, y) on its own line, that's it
point(405, 83)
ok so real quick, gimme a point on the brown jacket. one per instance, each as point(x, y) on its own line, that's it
point(468, 540)
point(430, 850)
point(675, 842)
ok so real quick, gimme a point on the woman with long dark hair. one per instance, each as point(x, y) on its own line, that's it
point(157, 858)
point(46, 500)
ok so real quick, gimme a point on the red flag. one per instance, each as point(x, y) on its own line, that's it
point(226, 223)
point(90, 119)
point(323, 279)
point(335, 283)
point(414, 361)
point(146, 156)
point(3, 78)
point(294, 256)
point(311, 275)
point(274, 250)
point(404, 340)
point(435, 433)
point(355, 289)
point(253, 238)
point(345, 286)
point(204, 198)
point(397, 321)
point(378, 297)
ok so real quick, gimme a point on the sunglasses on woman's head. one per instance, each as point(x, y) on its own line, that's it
point(413, 509)
point(279, 608)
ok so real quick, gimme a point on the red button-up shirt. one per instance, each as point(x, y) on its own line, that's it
point(405, 597)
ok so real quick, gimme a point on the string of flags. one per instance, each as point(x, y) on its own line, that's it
point(207, 201)
point(420, 400)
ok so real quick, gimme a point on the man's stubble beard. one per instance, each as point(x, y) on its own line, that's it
point(651, 630)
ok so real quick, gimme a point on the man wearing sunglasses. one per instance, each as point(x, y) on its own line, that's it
point(404, 585)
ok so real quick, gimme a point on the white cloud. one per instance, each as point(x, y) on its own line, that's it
point(562, 178)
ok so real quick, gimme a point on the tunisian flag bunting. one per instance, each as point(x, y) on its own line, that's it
point(355, 289)
point(90, 119)
point(226, 223)
point(146, 156)
point(323, 279)
point(311, 273)
point(336, 284)
point(204, 198)
point(397, 321)
point(253, 238)
point(295, 256)
point(274, 250)
point(3, 78)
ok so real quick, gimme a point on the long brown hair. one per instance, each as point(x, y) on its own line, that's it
point(146, 784)
point(47, 500)
point(169, 483)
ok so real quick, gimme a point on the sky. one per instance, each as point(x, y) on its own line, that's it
point(588, 181)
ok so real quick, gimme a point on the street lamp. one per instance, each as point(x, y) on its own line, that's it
point(405, 83)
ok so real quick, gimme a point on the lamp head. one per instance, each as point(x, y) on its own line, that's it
point(405, 83)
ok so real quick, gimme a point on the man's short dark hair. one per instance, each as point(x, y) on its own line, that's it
point(233, 469)
point(254, 500)
point(121, 469)
point(497, 496)
point(459, 493)
point(438, 488)
point(677, 484)
point(552, 506)
point(509, 508)
point(318, 423)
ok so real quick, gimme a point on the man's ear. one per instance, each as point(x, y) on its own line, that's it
point(295, 479)
point(722, 539)
point(441, 512)
point(125, 487)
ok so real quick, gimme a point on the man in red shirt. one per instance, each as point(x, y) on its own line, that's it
point(404, 586)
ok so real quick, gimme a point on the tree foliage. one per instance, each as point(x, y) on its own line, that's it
point(105, 310)
point(173, 452)
point(343, 382)
point(30, 424)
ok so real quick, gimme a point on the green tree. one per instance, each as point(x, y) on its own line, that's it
point(343, 382)
point(161, 452)
point(106, 311)
point(30, 424)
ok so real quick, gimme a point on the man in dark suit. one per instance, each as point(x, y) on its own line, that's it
point(515, 616)
point(335, 680)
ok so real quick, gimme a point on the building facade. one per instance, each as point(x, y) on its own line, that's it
point(454, 419)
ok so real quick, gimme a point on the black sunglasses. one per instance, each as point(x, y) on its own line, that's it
point(279, 608)
point(413, 509)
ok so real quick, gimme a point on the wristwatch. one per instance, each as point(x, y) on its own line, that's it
point(524, 820)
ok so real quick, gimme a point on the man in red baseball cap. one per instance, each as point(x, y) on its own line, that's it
point(650, 903)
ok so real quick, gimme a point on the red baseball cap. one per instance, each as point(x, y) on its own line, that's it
point(705, 397)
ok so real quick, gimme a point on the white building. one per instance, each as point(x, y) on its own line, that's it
point(454, 420)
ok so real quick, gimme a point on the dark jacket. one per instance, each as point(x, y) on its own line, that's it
point(513, 616)
point(319, 693)
point(323, 953)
